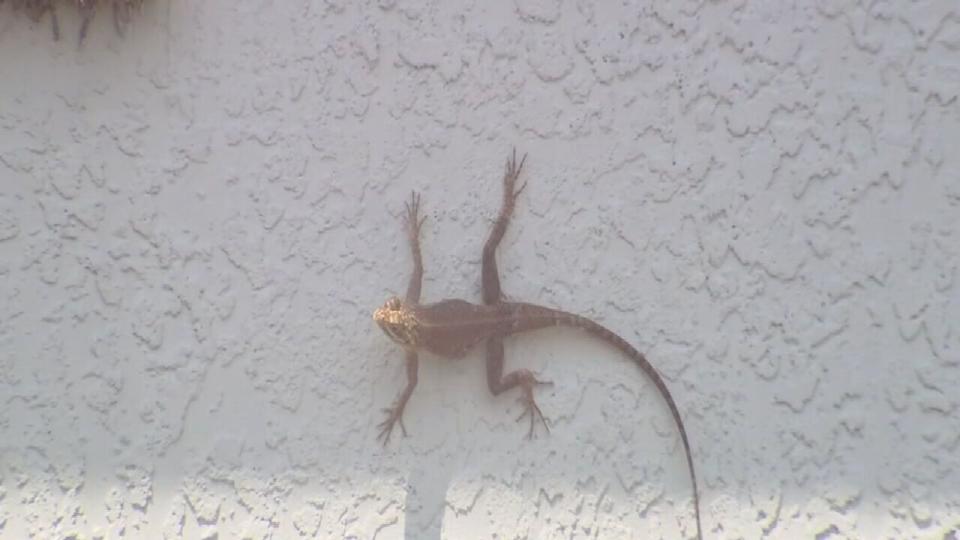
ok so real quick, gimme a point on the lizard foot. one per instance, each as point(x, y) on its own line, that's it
point(530, 404)
point(510, 175)
point(394, 414)
point(414, 221)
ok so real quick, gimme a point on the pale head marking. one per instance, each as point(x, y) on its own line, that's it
point(397, 322)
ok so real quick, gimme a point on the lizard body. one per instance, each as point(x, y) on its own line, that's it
point(451, 328)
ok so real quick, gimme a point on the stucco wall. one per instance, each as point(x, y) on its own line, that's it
point(198, 218)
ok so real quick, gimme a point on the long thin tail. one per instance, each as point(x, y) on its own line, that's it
point(603, 333)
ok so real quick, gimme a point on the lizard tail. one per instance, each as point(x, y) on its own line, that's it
point(625, 347)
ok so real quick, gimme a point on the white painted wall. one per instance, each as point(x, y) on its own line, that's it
point(197, 220)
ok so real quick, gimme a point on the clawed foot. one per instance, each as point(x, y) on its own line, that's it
point(510, 193)
point(414, 221)
point(394, 415)
point(530, 405)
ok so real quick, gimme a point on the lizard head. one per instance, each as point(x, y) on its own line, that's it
point(397, 322)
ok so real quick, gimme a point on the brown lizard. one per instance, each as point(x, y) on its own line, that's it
point(450, 328)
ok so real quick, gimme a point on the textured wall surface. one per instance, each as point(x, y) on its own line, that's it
point(197, 219)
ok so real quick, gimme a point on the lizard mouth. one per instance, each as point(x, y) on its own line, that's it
point(391, 333)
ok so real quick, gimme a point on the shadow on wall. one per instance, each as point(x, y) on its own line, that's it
point(612, 461)
point(35, 10)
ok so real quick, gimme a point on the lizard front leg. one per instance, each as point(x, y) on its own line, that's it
point(489, 275)
point(414, 222)
point(498, 383)
point(395, 413)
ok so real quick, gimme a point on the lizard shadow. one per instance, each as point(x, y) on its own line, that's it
point(427, 486)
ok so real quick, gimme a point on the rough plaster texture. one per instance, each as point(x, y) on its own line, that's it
point(197, 219)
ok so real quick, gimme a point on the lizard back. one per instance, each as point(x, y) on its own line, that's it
point(450, 328)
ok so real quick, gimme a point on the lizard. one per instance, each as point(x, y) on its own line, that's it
point(450, 328)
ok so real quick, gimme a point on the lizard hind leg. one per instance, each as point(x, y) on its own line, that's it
point(490, 278)
point(524, 378)
point(530, 404)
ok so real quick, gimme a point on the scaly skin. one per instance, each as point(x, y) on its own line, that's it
point(451, 328)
